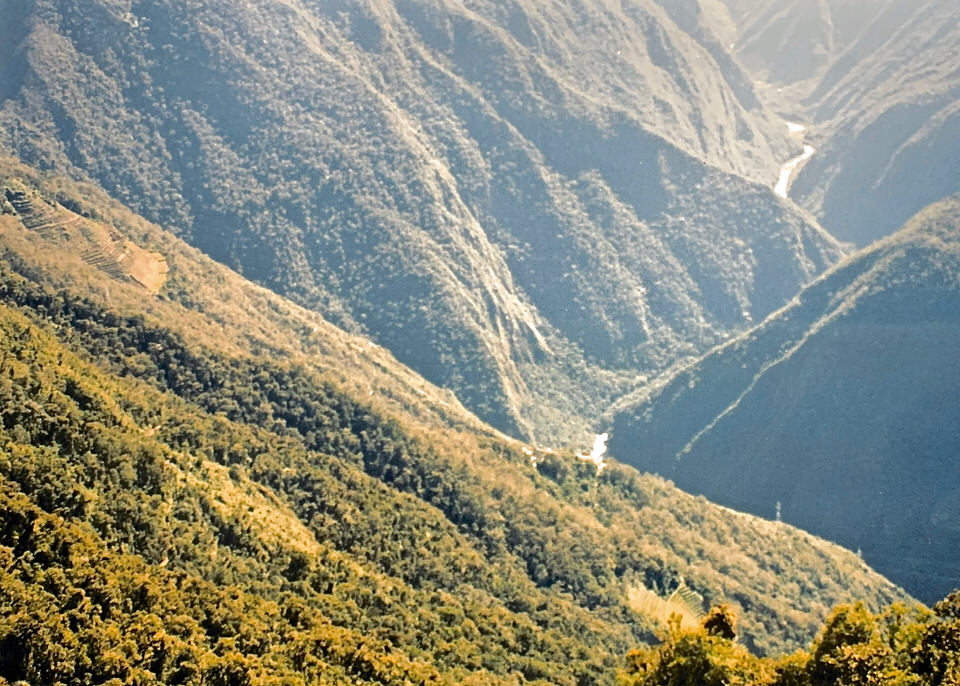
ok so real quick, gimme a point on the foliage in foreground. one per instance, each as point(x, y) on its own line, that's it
point(901, 646)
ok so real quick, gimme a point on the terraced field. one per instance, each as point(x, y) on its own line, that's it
point(97, 244)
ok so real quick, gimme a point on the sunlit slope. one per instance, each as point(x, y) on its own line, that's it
point(842, 408)
point(198, 297)
point(218, 454)
point(527, 203)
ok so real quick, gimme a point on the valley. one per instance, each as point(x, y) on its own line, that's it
point(487, 342)
point(790, 167)
point(879, 90)
point(841, 408)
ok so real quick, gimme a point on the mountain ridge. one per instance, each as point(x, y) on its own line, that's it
point(242, 426)
point(862, 360)
point(582, 211)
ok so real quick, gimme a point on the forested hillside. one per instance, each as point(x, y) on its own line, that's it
point(175, 507)
point(839, 413)
point(310, 311)
point(528, 203)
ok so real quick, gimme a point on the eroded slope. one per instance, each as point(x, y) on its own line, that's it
point(526, 202)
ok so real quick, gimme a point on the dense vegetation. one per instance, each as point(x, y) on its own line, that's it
point(96, 469)
point(415, 548)
point(901, 646)
point(528, 204)
point(235, 505)
point(537, 205)
point(78, 611)
point(842, 408)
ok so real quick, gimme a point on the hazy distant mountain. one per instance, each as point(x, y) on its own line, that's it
point(529, 203)
point(891, 105)
point(842, 410)
point(786, 42)
point(880, 84)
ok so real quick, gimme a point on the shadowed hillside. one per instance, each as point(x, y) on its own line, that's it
point(525, 202)
point(840, 412)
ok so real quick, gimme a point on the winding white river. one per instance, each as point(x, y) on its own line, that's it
point(787, 170)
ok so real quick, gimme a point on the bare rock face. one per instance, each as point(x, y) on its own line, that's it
point(529, 203)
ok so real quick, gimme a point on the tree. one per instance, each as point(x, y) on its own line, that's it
point(706, 656)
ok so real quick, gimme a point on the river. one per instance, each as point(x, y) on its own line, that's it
point(787, 170)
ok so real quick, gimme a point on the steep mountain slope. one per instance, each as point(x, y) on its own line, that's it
point(790, 42)
point(891, 105)
point(202, 300)
point(525, 202)
point(358, 532)
point(840, 412)
point(881, 91)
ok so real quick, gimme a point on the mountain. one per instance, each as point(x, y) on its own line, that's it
point(202, 478)
point(528, 203)
point(839, 413)
point(792, 43)
point(892, 105)
point(880, 92)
